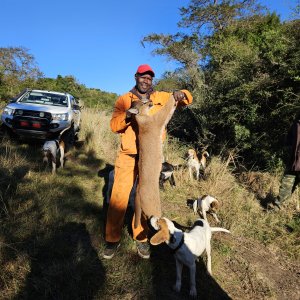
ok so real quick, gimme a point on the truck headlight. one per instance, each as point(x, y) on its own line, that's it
point(60, 117)
point(8, 111)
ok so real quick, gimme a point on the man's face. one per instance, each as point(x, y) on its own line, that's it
point(143, 82)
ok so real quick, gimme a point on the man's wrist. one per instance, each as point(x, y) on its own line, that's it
point(179, 95)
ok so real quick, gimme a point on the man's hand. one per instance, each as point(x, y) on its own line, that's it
point(179, 95)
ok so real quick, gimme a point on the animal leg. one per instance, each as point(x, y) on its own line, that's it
point(193, 290)
point(62, 154)
point(197, 173)
point(53, 167)
point(208, 252)
point(204, 214)
point(216, 217)
point(195, 206)
point(191, 173)
point(161, 181)
point(137, 209)
point(172, 180)
point(177, 285)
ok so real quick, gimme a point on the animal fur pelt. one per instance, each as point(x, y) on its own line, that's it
point(150, 130)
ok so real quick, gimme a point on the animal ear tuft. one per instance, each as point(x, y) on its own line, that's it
point(162, 235)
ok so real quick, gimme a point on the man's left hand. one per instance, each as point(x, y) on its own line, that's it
point(179, 95)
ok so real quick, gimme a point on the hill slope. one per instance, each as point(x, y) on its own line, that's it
point(51, 233)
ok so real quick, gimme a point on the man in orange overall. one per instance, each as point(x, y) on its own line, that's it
point(126, 164)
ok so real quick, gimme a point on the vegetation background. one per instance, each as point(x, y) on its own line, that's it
point(242, 66)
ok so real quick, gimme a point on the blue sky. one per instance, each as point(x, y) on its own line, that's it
point(98, 42)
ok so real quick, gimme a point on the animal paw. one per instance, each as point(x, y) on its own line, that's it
point(177, 287)
point(193, 292)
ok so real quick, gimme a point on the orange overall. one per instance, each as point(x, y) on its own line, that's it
point(126, 164)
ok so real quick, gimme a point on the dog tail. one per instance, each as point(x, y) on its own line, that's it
point(218, 229)
point(205, 154)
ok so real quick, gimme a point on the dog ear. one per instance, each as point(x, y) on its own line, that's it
point(214, 205)
point(159, 238)
point(162, 235)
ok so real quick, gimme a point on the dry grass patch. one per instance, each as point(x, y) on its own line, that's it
point(51, 229)
point(97, 134)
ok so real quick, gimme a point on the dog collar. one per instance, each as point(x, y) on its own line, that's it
point(179, 245)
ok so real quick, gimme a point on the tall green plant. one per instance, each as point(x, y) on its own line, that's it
point(247, 77)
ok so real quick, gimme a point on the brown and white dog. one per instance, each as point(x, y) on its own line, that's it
point(207, 204)
point(187, 246)
point(54, 151)
point(194, 164)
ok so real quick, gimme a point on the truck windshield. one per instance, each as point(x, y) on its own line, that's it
point(45, 98)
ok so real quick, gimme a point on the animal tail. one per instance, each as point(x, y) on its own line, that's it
point(137, 209)
point(218, 229)
point(205, 154)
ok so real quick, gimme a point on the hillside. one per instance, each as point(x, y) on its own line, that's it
point(51, 229)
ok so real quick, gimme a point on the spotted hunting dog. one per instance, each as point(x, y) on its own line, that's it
point(194, 164)
point(187, 246)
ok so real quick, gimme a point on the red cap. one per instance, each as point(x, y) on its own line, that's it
point(145, 69)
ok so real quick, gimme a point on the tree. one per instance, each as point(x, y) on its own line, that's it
point(17, 66)
point(253, 75)
point(247, 76)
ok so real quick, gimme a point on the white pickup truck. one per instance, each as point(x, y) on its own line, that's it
point(41, 114)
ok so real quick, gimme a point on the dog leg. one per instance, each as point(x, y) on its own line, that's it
point(193, 290)
point(191, 173)
point(216, 218)
point(177, 285)
point(62, 154)
point(53, 162)
point(197, 173)
point(204, 214)
point(161, 183)
point(208, 253)
point(172, 180)
point(53, 167)
point(195, 206)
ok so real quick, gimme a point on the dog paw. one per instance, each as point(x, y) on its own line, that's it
point(193, 293)
point(176, 288)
